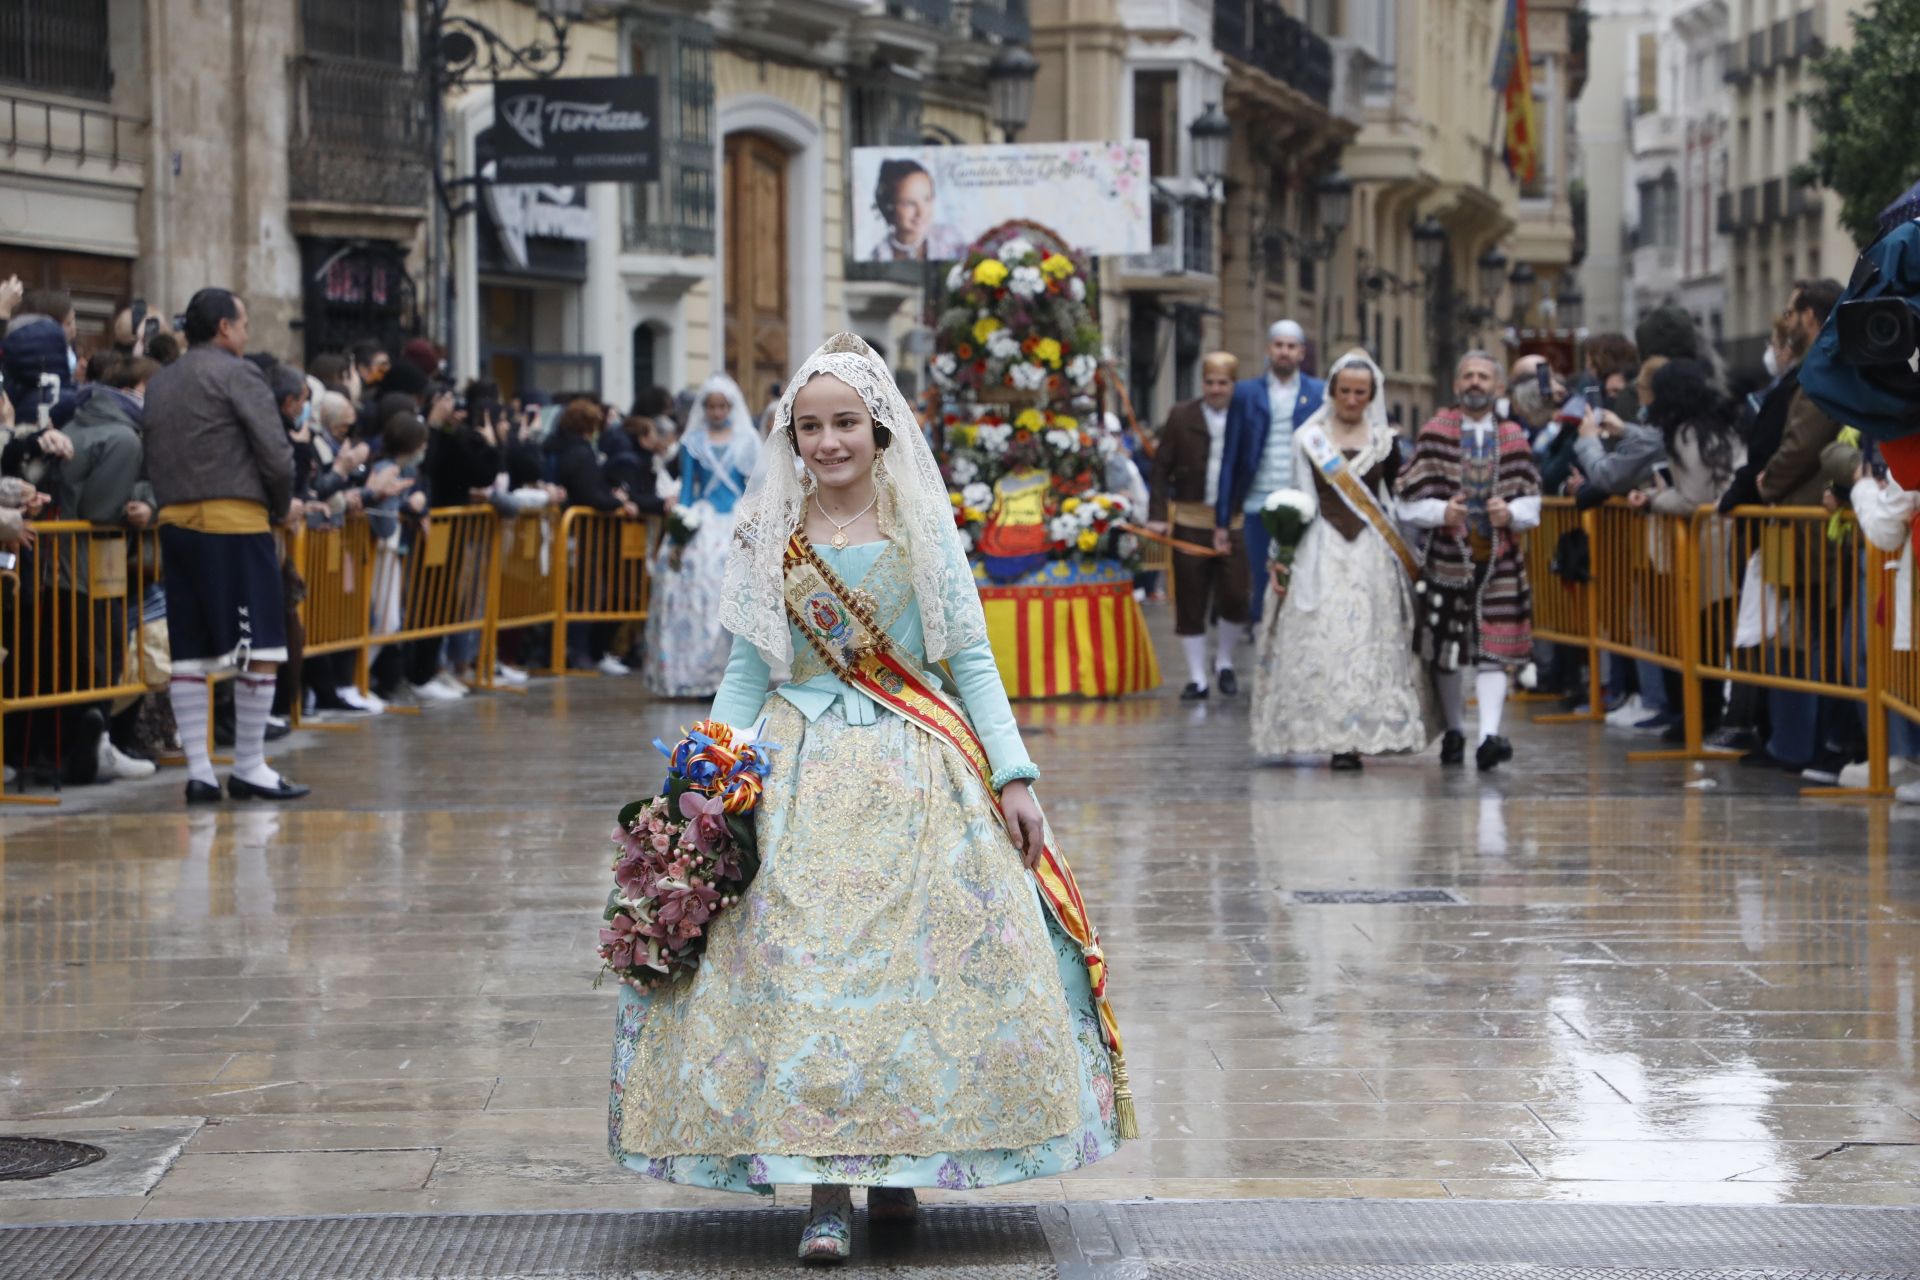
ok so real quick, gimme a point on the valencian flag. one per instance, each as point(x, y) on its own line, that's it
point(1513, 80)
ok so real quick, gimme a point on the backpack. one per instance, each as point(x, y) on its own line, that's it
point(1882, 400)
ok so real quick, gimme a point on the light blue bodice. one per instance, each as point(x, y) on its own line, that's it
point(698, 481)
point(880, 569)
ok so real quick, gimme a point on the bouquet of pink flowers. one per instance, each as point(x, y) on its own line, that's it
point(683, 857)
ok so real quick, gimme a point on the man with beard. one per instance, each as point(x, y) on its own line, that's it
point(1257, 458)
point(1472, 481)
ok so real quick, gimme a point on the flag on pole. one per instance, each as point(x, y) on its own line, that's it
point(1513, 79)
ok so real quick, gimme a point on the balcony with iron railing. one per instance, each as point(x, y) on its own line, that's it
point(1268, 38)
point(1183, 228)
point(356, 135)
point(1734, 67)
point(71, 141)
point(1809, 31)
point(1004, 21)
point(1780, 41)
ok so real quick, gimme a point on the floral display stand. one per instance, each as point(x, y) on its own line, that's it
point(1029, 476)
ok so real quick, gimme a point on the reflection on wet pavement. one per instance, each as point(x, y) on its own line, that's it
point(380, 1001)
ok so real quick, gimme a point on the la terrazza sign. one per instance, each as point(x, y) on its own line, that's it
point(589, 129)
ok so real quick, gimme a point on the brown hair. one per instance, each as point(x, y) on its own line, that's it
point(404, 433)
point(57, 303)
point(582, 417)
point(130, 371)
point(1611, 353)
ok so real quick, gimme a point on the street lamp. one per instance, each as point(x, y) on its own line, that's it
point(1491, 269)
point(1572, 306)
point(1523, 283)
point(1429, 245)
point(1010, 89)
point(1210, 134)
point(1335, 194)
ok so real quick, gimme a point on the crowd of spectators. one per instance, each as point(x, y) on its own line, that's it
point(1657, 421)
point(377, 431)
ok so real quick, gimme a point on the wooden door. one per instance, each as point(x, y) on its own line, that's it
point(756, 303)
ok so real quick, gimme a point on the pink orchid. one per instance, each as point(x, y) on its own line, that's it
point(708, 816)
point(617, 943)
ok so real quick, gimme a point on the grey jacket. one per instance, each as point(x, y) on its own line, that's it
point(213, 431)
point(104, 473)
point(1627, 466)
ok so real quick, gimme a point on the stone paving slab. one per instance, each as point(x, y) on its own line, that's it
point(1178, 1240)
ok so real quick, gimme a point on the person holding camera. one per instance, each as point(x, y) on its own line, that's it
point(222, 471)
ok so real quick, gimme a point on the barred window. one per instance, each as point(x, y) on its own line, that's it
point(58, 45)
point(676, 214)
point(364, 30)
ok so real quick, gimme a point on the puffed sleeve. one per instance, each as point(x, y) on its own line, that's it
point(743, 690)
point(985, 699)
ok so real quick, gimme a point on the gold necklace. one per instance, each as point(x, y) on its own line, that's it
point(840, 529)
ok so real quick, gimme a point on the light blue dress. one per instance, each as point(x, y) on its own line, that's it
point(890, 1004)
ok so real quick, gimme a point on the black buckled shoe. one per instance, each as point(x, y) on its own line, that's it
point(1226, 683)
point(1194, 693)
point(1347, 762)
point(199, 792)
point(1492, 753)
point(1453, 747)
point(240, 789)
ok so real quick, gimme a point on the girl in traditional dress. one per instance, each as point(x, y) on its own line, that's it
point(1336, 672)
point(909, 993)
point(686, 645)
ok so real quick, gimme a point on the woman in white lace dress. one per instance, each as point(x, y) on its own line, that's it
point(686, 645)
point(1337, 674)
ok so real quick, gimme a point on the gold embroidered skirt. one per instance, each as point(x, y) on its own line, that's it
point(889, 1005)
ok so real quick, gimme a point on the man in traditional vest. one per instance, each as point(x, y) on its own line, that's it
point(1472, 481)
point(1258, 455)
point(1208, 590)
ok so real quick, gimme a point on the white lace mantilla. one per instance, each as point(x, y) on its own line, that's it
point(913, 508)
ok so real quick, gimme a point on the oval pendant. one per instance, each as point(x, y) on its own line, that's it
point(839, 540)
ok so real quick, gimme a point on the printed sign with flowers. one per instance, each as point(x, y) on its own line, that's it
point(1019, 321)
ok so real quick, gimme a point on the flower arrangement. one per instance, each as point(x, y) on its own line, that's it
point(683, 857)
point(1081, 516)
point(682, 523)
point(1286, 513)
point(1019, 322)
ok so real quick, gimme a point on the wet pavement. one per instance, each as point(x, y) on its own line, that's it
point(1655, 983)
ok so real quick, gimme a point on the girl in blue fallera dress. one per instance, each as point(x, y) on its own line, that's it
point(900, 999)
point(686, 645)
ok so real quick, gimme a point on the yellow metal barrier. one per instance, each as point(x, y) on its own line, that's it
point(1563, 612)
point(527, 590)
point(1792, 629)
point(605, 575)
point(336, 564)
point(70, 620)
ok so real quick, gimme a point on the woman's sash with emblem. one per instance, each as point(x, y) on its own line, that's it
point(1332, 464)
point(842, 626)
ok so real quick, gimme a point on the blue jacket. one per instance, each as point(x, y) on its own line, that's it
point(1249, 419)
point(36, 344)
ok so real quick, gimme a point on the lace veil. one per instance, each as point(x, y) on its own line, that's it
point(742, 451)
point(913, 509)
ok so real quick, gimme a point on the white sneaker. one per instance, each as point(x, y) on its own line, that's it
point(1908, 793)
point(432, 692)
point(1628, 713)
point(115, 763)
point(1855, 775)
point(448, 685)
point(612, 666)
point(366, 703)
point(508, 675)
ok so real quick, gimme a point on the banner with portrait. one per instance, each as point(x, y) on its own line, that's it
point(926, 204)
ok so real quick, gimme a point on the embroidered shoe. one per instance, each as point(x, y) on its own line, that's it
point(887, 1205)
point(828, 1236)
